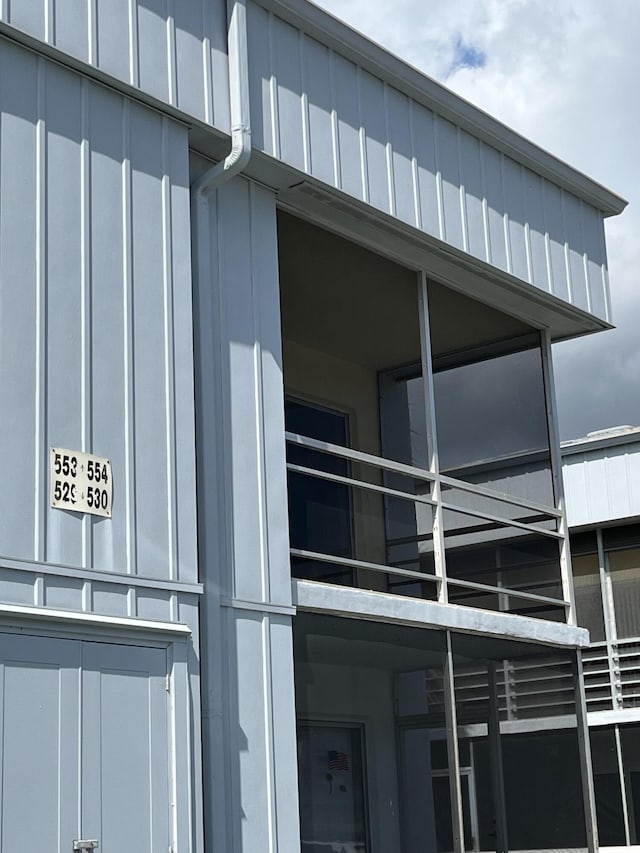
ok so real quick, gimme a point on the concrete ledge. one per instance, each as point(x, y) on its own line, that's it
point(383, 607)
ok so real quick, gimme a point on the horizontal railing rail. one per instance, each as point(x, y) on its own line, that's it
point(359, 456)
point(519, 576)
point(483, 491)
point(359, 484)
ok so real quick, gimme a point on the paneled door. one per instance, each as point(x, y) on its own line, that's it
point(84, 745)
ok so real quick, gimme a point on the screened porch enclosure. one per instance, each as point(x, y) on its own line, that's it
point(378, 747)
point(417, 427)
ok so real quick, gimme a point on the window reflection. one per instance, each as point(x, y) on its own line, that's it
point(491, 419)
point(332, 791)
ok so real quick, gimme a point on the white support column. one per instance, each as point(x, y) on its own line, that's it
point(432, 439)
point(623, 788)
point(610, 632)
point(556, 472)
point(455, 783)
point(249, 732)
point(495, 757)
point(584, 750)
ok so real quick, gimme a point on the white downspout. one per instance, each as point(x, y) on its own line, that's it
point(240, 153)
point(219, 804)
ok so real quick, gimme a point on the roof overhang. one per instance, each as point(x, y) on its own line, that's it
point(412, 248)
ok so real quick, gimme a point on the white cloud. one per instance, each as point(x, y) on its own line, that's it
point(564, 73)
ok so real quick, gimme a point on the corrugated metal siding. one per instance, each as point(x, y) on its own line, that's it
point(332, 119)
point(95, 320)
point(173, 49)
point(602, 484)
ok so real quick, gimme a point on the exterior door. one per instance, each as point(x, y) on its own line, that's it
point(84, 745)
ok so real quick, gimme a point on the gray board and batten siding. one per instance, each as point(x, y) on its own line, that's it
point(321, 110)
point(329, 104)
point(99, 640)
point(95, 339)
point(174, 50)
point(602, 478)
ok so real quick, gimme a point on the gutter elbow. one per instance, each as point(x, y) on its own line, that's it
point(240, 153)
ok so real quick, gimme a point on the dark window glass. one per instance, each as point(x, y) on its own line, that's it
point(625, 536)
point(606, 778)
point(630, 742)
point(584, 543)
point(586, 582)
point(319, 510)
point(624, 567)
point(331, 787)
point(543, 790)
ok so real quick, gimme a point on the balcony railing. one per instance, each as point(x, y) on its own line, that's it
point(409, 531)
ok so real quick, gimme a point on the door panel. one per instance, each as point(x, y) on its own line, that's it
point(125, 753)
point(39, 702)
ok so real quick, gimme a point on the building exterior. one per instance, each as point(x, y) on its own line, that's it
point(296, 302)
point(603, 506)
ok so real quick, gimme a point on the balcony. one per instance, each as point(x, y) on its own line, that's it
point(417, 428)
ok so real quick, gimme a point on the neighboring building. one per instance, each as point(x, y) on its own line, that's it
point(321, 376)
point(602, 482)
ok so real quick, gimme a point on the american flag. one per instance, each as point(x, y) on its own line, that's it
point(337, 760)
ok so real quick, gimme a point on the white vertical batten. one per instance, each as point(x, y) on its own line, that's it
point(304, 108)
point(87, 596)
point(40, 450)
point(92, 32)
point(362, 141)
point(415, 175)
point(439, 196)
point(527, 230)
point(505, 220)
point(485, 205)
point(585, 259)
point(49, 21)
point(207, 64)
point(464, 219)
point(38, 591)
point(134, 56)
point(605, 277)
point(169, 367)
point(547, 240)
point(128, 350)
point(566, 248)
point(335, 132)
point(172, 70)
point(85, 305)
point(273, 93)
point(388, 150)
point(132, 602)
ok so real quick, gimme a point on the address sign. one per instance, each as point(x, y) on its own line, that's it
point(80, 482)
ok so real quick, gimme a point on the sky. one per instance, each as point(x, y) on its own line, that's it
point(565, 74)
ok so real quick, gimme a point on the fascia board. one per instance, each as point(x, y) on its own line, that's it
point(587, 445)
